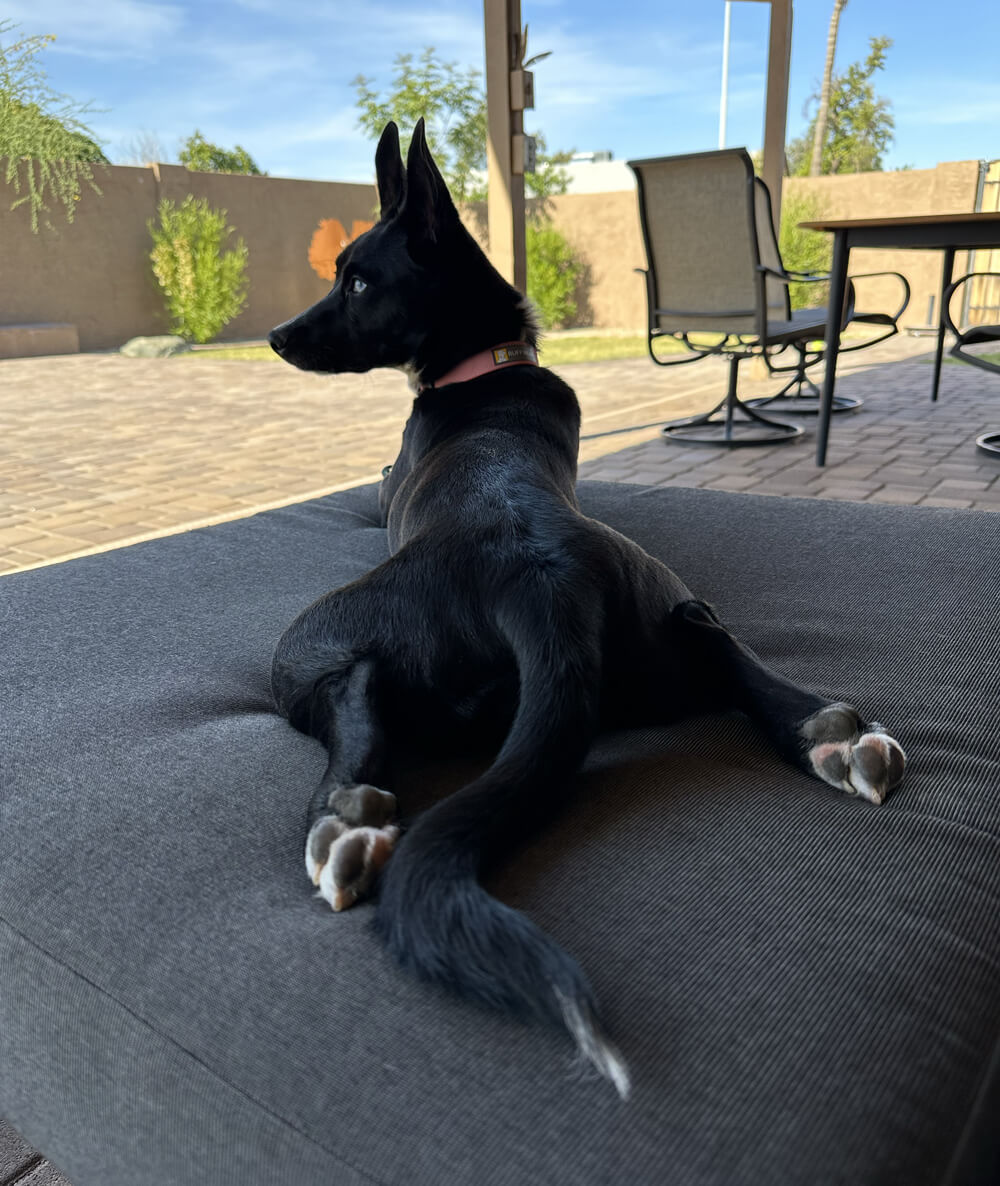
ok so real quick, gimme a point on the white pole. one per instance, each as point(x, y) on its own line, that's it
point(724, 102)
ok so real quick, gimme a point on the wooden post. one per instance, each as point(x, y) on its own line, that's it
point(505, 208)
point(779, 55)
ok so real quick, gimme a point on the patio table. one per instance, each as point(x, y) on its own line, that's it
point(929, 232)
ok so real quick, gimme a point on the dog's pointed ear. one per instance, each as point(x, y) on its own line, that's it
point(429, 208)
point(389, 172)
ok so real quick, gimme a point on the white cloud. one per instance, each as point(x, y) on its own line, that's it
point(106, 29)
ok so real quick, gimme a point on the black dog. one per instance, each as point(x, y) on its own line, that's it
point(503, 613)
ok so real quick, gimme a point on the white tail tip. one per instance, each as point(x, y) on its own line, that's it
point(593, 1045)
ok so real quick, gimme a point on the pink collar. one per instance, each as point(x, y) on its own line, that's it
point(510, 354)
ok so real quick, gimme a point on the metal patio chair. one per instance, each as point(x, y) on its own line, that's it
point(715, 275)
point(973, 335)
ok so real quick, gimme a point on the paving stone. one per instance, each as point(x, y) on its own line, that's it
point(902, 495)
point(732, 482)
point(956, 485)
point(100, 448)
point(937, 501)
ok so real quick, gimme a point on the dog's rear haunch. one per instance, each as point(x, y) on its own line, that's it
point(504, 617)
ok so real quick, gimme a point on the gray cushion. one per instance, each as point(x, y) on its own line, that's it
point(806, 987)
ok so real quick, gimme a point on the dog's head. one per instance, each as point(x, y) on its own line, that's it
point(390, 280)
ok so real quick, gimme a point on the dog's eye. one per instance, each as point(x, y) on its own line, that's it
point(356, 285)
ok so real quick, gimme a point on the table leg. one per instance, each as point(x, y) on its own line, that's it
point(946, 271)
point(835, 307)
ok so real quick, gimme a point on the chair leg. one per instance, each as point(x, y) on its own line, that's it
point(799, 402)
point(739, 423)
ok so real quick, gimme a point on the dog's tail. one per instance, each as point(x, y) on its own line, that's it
point(433, 914)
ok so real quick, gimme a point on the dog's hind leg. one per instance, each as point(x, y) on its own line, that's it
point(828, 739)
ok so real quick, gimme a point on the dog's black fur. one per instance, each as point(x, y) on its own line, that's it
point(503, 613)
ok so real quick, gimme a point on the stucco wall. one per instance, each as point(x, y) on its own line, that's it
point(95, 273)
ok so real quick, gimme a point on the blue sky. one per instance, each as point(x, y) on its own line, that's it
point(639, 78)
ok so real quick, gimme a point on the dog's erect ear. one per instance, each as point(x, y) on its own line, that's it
point(389, 172)
point(429, 208)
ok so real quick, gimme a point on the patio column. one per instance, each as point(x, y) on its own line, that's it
point(779, 53)
point(505, 207)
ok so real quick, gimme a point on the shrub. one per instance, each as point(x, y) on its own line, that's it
point(802, 250)
point(203, 286)
point(553, 274)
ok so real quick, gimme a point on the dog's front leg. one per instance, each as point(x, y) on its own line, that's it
point(344, 861)
point(350, 829)
point(352, 837)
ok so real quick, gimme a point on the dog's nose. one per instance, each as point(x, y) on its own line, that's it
point(278, 338)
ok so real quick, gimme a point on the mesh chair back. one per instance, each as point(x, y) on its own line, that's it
point(699, 226)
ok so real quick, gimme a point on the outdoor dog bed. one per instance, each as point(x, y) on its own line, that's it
point(806, 987)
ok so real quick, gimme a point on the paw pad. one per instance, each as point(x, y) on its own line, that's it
point(343, 862)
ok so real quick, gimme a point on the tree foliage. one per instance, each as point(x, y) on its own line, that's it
point(201, 156)
point(453, 104)
point(803, 250)
point(859, 124)
point(50, 152)
point(553, 274)
point(204, 287)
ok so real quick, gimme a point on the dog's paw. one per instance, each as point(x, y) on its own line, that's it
point(857, 758)
point(343, 862)
point(362, 805)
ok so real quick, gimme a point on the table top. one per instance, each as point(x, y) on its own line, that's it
point(979, 218)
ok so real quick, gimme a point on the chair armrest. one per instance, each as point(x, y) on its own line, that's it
point(950, 291)
point(787, 277)
point(896, 275)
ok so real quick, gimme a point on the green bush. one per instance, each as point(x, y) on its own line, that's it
point(802, 250)
point(553, 274)
point(203, 286)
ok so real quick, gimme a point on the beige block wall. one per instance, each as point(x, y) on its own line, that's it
point(603, 230)
point(95, 273)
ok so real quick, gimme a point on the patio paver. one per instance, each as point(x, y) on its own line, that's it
point(98, 451)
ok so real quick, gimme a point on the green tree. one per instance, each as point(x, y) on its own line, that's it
point(49, 151)
point(201, 156)
point(204, 287)
point(859, 123)
point(453, 105)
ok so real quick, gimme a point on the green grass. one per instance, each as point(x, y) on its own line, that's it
point(552, 352)
point(960, 362)
point(241, 353)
